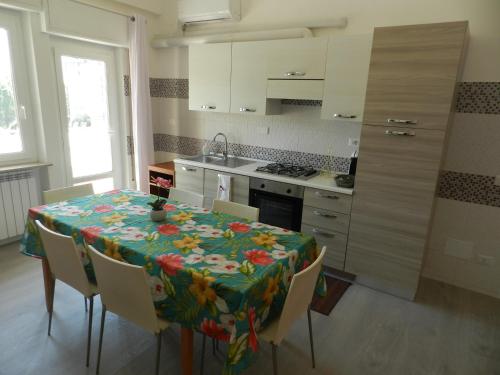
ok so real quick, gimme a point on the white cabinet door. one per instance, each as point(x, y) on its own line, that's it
point(240, 186)
point(297, 58)
point(189, 178)
point(346, 78)
point(210, 77)
point(249, 80)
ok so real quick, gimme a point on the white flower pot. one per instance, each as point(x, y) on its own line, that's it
point(158, 215)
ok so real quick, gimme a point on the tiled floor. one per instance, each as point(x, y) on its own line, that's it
point(447, 331)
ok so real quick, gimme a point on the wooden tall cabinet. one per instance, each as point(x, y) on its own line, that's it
point(410, 93)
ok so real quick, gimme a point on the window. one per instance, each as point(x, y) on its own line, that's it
point(16, 129)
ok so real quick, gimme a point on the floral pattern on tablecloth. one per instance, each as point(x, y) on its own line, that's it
point(216, 273)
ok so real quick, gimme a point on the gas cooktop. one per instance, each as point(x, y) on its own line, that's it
point(289, 170)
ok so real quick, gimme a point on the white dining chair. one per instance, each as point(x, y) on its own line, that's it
point(125, 291)
point(63, 194)
point(236, 209)
point(187, 197)
point(66, 265)
point(297, 302)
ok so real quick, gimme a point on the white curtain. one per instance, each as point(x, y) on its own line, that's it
point(142, 125)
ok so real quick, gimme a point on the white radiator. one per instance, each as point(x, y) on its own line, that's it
point(18, 192)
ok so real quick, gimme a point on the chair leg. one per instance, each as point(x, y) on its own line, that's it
point(103, 318)
point(91, 314)
point(50, 322)
point(311, 340)
point(203, 345)
point(85, 300)
point(158, 352)
point(275, 359)
point(214, 346)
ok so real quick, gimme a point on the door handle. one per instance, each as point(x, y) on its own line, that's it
point(322, 233)
point(295, 74)
point(340, 115)
point(244, 109)
point(400, 133)
point(399, 121)
point(322, 214)
point(319, 195)
point(186, 169)
point(208, 107)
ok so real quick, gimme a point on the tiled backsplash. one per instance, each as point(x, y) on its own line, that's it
point(478, 97)
point(193, 146)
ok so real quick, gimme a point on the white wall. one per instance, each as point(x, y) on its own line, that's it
point(474, 139)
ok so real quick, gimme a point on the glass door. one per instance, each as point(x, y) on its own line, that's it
point(87, 93)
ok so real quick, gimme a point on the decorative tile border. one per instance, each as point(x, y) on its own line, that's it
point(303, 102)
point(468, 187)
point(126, 85)
point(478, 97)
point(193, 146)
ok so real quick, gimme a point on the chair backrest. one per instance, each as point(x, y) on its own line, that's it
point(184, 196)
point(125, 290)
point(63, 194)
point(236, 209)
point(299, 296)
point(64, 259)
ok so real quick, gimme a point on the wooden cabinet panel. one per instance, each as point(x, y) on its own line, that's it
point(240, 186)
point(393, 199)
point(325, 219)
point(346, 77)
point(334, 241)
point(327, 200)
point(296, 58)
point(189, 178)
point(210, 77)
point(249, 81)
point(413, 74)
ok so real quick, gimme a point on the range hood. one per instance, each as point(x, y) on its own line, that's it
point(306, 89)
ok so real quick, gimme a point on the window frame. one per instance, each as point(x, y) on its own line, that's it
point(12, 21)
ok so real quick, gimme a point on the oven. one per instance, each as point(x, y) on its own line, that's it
point(280, 204)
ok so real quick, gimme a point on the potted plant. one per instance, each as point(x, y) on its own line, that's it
point(157, 212)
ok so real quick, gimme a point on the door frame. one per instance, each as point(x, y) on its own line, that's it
point(109, 55)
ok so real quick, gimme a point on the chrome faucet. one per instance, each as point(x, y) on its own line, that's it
point(224, 153)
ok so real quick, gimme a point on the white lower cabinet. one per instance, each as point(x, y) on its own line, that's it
point(240, 186)
point(189, 178)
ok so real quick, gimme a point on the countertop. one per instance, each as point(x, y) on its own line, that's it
point(323, 182)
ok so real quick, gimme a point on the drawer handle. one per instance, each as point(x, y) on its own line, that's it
point(208, 107)
point(319, 195)
point(322, 233)
point(186, 169)
point(295, 74)
point(244, 109)
point(340, 115)
point(400, 133)
point(329, 216)
point(399, 121)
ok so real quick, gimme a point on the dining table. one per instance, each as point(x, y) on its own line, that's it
point(210, 272)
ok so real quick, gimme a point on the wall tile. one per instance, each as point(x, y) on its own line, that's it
point(478, 97)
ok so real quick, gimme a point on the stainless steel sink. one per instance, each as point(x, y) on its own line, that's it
point(230, 162)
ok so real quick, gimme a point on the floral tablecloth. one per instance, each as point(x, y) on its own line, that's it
point(209, 271)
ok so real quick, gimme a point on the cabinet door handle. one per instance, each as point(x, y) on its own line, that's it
point(186, 169)
point(322, 233)
point(399, 121)
point(322, 214)
point(340, 115)
point(319, 195)
point(244, 109)
point(208, 107)
point(295, 74)
point(400, 133)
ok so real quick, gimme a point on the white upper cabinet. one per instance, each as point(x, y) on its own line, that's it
point(210, 77)
point(297, 58)
point(248, 80)
point(347, 66)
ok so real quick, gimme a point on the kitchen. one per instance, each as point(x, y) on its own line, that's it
point(371, 128)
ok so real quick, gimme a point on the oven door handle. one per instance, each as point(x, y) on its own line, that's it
point(322, 214)
point(322, 233)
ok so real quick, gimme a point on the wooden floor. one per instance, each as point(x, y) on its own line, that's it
point(447, 331)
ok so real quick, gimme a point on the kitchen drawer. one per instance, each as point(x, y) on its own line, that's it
point(189, 178)
point(325, 219)
point(328, 200)
point(335, 242)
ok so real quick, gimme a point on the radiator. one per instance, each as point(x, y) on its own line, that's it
point(18, 192)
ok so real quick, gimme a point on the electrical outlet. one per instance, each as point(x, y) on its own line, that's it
point(497, 180)
point(459, 249)
point(486, 260)
point(353, 142)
